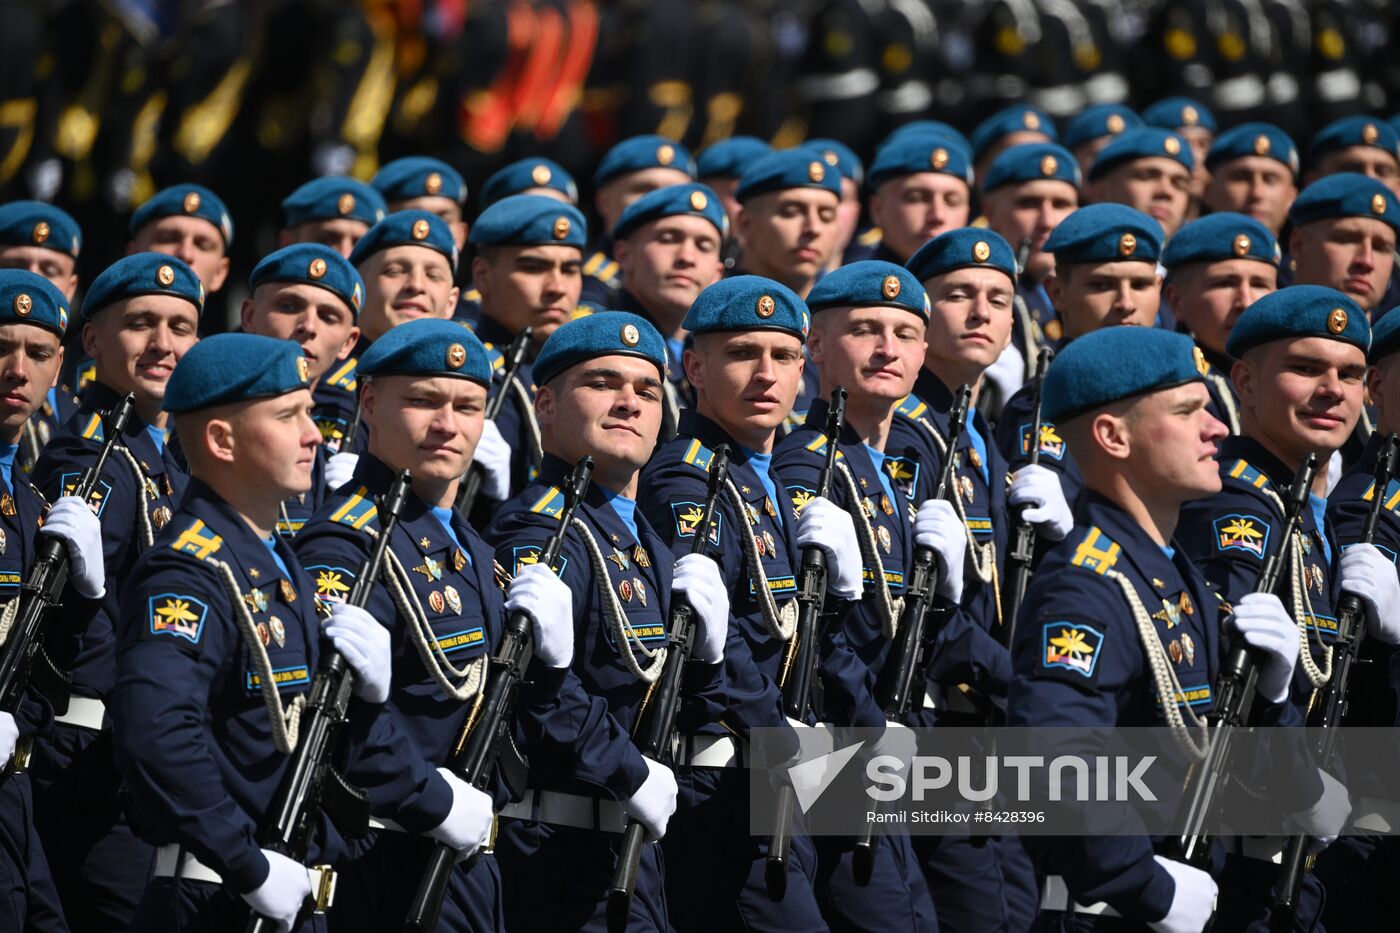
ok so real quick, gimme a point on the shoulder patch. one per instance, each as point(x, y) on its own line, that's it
point(904, 473)
point(1071, 646)
point(800, 496)
point(687, 516)
point(911, 407)
point(551, 503)
point(1097, 552)
point(871, 237)
point(1241, 531)
point(495, 357)
point(1245, 473)
point(357, 511)
point(473, 295)
point(332, 583)
point(818, 446)
point(198, 541)
point(1051, 444)
point(698, 455)
point(92, 431)
point(87, 374)
point(69, 482)
point(177, 615)
point(343, 376)
point(525, 555)
point(1392, 495)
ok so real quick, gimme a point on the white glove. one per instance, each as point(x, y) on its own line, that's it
point(937, 526)
point(493, 456)
point(282, 895)
point(1040, 488)
point(1324, 820)
point(549, 603)
point(825, 525)
point(1370, 575)
point(899, 741)
point(1192, 903)
point(73, 521)
point(698, 578)
point(9, 737)
point(468, 823)
point(655, 801)
point(365, 645)
point(339, 469)
point(1268, 628)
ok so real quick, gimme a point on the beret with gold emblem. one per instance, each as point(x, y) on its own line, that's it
point(1253, 139)
point(1346, 194)
point(839, 156)
point(1018, 118)
point(694, 200)
point(870, 283)
point(1385, 336)
point(529, 220)
point(334, 197)
point(419, 177)
point(1179, 113)
point(639, 153)
point(603, 333)
point(143, 274)
point(1145, 142)
point(1098, 121)
point(1032, 162)
point(729, 157)
point(1300, 311)
point(427, 347)
point(228, 368)
point(785, 169)
point(1217, 237)
point(1357, 130)
point(913, 153)
point(748, 302)
point(937, 127)
point(34, 223)
point(963, 248)
point(312, 264)
point(1113, 364)
point(407, 228)
point(1105, 233)
point(527, 175)
point(29, 298)
point(185, 201)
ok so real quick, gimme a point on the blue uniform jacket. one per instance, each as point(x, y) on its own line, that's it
point(334, 398)
point(514, 419)
point(1014, 428)
point(1224, 402)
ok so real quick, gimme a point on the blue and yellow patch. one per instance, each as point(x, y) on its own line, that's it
point(522, 557)
point(818, 446)
point(980, 526)
point(1198, 695)
point(357, 511)
point(87, 375)
point(1392, 495)
point(688, 515)
point(1247, 474)
point(197, 541)
point(332, 429)
point(903, 473)
point(332, 583)
point(289, 527)
point(648, 633)
point(1324, 625)
point(550, 502)
point(177, 615)
point(10, 579)
point(1071, 646)
point(911, 407)
point(281, 677)
point(777, 586)
point(343, 376)
point(92, 431)
point(1097, 552)
point(100, 492)
point(601, 267)
point(494, 357)
point(1051, 444)
point(698, 455)
point(800, 496)
point(460, 641)
point(1239, 531)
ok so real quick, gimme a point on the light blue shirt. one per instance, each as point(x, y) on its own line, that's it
point(271, 545)
point(878, 458)
point(157, 436)
point(979, 444)
point(1319, 511)
point(7, 463)
point(626, 510)
point(444, 516)
point(761, 463)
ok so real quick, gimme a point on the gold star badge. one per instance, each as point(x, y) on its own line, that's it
point(41, 232)
point(420, 230)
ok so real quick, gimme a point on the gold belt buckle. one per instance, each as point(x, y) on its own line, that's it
point(23, 748)
point(324, 894)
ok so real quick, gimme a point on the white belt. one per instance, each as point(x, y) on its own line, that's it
point(84, 712)
point(709, 751)
point(175, 861)
point(575, 810)
point(1261, 848)
point(1054, 895)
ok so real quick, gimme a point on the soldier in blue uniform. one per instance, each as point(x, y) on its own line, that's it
point(841, 157)
point(1253, 170)
point(746, 366)
point(310, 294)
point(1105, 275)
point(787, 223)
point(871, 342)
point(1094, 127)
point(1300, 371)
point(920, 186)
point(335, 211)
point(1147, 169)
point(140, 316)
point(33, 316)
point(188, 222)
point(1344, 230)
point(1216, 267)
point(599, 394)
point(1361, 144)
point(217, 640)
point(544, 177)
point(423, 183)
point(1010, 126)
point(425, 392)
point(719, 165)
point(1193, 122)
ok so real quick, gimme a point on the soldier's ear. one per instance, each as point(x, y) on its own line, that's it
point(1243, 377)
point(694, 366)
point(1374, 378)
point(1110, 434)
point(218, 439)
point(219, 276)
point(621, 250)
point(544, 405)
point(245, 315)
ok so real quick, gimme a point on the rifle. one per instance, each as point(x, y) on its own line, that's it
point(486, 727)
point(1234, 692)
point(1351, 631)
point(43, 587)
point(515, 356)
point(799, 672)
point(291, 819)
point(1022, 552)
point(657, 721)
point(903, 663)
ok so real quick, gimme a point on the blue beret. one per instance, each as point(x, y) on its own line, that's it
point(181, 201)
point(1345, 194)
point(419, 177)
point(312, 264)
point(920, 152)
point(1099, 120)
point(1013, 119)
point(1145, 142)
point(748, 302)
point(529, 220)
point(1394, 121)
point(963, 248)
point(787, 168)
point(839, 156)
point(1032, 162)
point(407, 228)
point(1300, 311)
point(1354, 131)
point(29, 298)
point(937, 127)
point(34, 223)
point(640, 153)
point(870, 283)
point(227, 368)
point(143, 274)
point(427, 347)
point(525, 174)
point(1115, 363)
point(727, 158)
point(1179, 113)
point(602, 333)
point(333, 198)
point(1105, 233)
point(1253, 139)
point(1385, 336)
point(1216, 237)
point(694, 200)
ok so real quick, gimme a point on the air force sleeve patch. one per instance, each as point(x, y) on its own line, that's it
point(688, 516)
point(1051, 444)
point(332, 583)
point(178, 616)
point(1240, 531)
point(1071, 646)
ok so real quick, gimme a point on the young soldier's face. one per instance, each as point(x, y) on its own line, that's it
point(1172, 439)
point(1209, 297)
point(970, 319)
point(874, 352)
point(529, 286)
point(608, 408)
point(192, 239)
point(667, 263)
point(1383, 387)
point(1351, 254)
point(339, 233)
point(789, 235)
point(428, 426)
point(1091, 296)
point(1200, 139)
point(748, 380)
point(1258, 186)
point(914, 209)
point(1031, 209)
point(59, 268)
point(1366, 160)
point(1302, 395)
point(30, 358)
point(136, 343)
point(313, 317)
point(612, 199)
point(275, 443)
point(1157, 186)
point(403, 283)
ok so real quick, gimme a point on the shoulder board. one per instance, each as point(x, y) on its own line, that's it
point(92, 431)
point(818, 445)
point(197, 540)
point(595, 262)
point(357, 511)
point(1242, 471)
point(1097, 552)
point(608, 273)
point(911, 407)
point(698, 455)
point(472, 294)
point(1392, 495)
point(496, 358)
point(343, 376)
point(87, 373)
point(550, 503)
point(871, 237)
